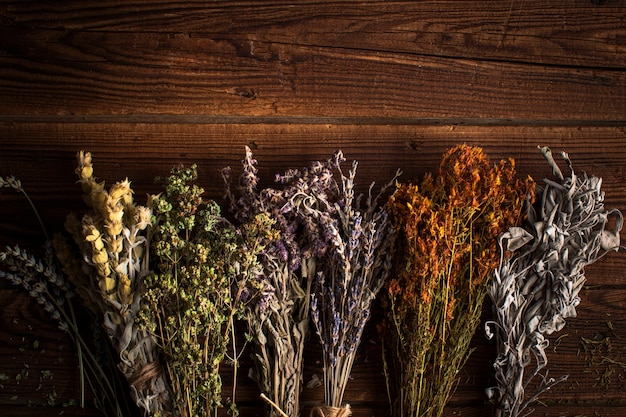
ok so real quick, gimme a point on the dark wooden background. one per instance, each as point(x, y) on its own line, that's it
point(145, 85)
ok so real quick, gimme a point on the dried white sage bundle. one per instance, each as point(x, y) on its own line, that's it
point(536, 288)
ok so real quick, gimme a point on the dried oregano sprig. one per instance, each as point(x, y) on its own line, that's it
point(113, 249)
point(536, 288)
point(350, 272)
point(197, 291)
point(278, 314)
point(47, 285)
point(447, 228)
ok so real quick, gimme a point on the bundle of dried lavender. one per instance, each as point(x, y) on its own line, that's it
point(47, 285)
point(113, 254)
point(536, 288)
point(278, 311)
point(447, 228)
point(350, 273)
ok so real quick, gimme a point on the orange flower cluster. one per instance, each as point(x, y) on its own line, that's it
point(447, 229)
point(449, 226)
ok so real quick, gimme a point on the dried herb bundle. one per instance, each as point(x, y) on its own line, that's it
point(536, 288)
point(49, 287)
point(113, 257)
point(350, 272)
point(278, 311)
point(196, 292)
point(447, 228)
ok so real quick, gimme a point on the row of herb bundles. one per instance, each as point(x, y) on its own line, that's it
point(309, 245)
point(307, 250)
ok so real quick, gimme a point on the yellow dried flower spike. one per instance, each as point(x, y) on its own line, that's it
point(94, 195)
point(121, 191)
point(112, 252)
point(116, 243)
point(100, 257)
point(114, 214)
point(93, 236)
point(124, 290)
point(108, 286)
point(85, 167)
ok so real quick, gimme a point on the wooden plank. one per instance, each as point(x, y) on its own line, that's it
point(38, 361)
point(61, 72)
point(42, 156)
point(556, 33)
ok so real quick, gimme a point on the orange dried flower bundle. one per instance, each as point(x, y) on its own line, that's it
point(447, 228)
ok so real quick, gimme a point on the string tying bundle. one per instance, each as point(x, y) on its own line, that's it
point(328, 411)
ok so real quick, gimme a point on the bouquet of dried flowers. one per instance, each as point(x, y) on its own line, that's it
point(447, 230)
point(108, 268)
point(536, 288)
point(278, 314)
point(350, 272)
point(197, 291)
point(49, 286)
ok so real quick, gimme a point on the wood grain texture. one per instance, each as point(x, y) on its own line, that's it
point(304, 61)
point(556, 33)
point(39, 361)
point(393, 84)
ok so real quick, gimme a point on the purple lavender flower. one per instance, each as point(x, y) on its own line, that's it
point(351, 268)
point(279, 312)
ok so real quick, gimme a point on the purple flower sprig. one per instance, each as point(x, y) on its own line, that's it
point(278, 311)
point(323, 239)
point(350, 272)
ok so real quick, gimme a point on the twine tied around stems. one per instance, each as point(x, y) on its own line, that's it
point(143, 377)
point(328, 411)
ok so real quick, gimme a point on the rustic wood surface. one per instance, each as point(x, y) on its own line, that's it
point(147, 85)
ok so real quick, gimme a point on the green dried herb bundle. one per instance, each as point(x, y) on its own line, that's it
point(447, 228)
point(197, 291)
point(536, 288)
point(108, 268)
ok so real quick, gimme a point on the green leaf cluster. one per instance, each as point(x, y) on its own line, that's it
point(194, 294)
